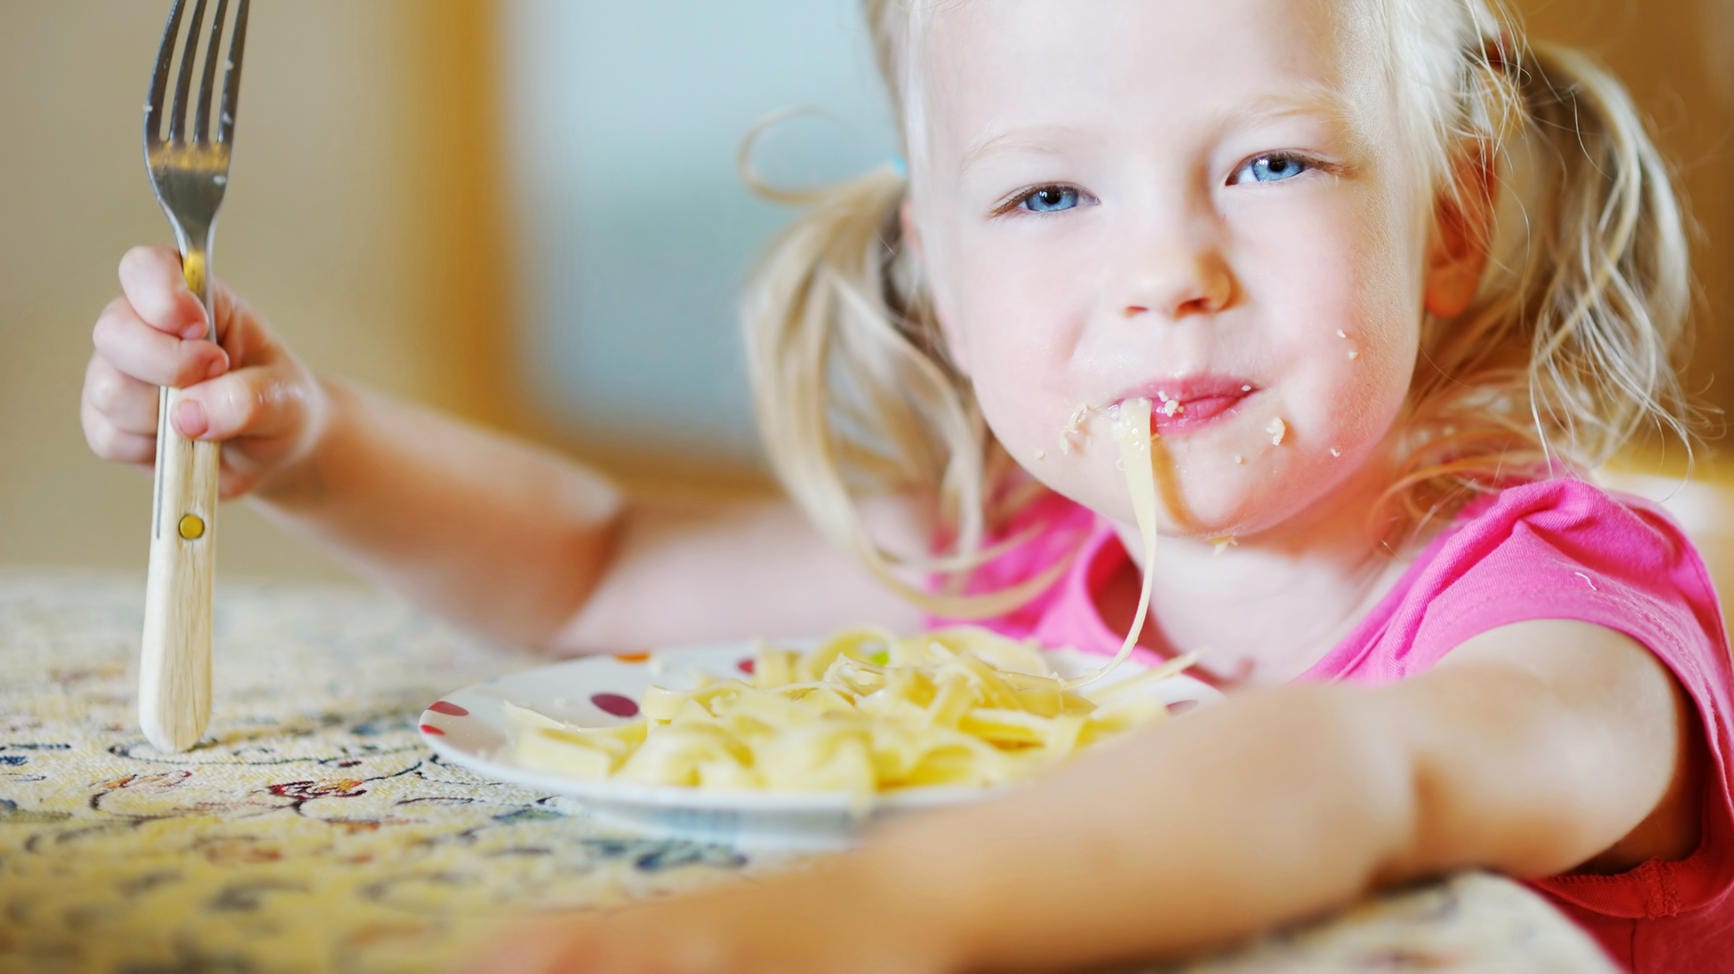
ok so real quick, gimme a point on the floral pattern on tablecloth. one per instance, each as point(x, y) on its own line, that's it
point(313, 831)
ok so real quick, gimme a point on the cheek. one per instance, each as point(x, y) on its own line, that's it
point(1019, 335)
point(1351, 299)
point(1385, 315)
point(1025, 403)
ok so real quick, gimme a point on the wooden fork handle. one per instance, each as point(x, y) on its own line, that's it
point(175, 659)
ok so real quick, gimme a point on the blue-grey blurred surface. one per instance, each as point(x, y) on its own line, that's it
point(632, 224)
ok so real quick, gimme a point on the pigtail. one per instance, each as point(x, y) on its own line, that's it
point(854, 394)
point(1608, 285)
point(1571, 348)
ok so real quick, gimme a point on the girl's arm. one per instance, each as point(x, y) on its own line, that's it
point(519, 543)
point(532, 548)
point(1534, 749)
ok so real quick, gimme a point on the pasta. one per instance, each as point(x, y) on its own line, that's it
point(863, 713)
point(866, 712)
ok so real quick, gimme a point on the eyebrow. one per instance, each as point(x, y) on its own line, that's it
point(1317, 100)
point(1030, 138)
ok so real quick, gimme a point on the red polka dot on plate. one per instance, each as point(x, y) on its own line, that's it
point(449, 709)
point(632, 657)
point(431, 729)
point(615, 705)
point(747, 666)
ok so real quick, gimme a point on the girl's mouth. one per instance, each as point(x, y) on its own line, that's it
point(1191, 403)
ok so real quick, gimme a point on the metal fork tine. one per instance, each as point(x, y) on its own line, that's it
point(160, 77)
point(232, 76)
point(178, 122)
point(202, 122)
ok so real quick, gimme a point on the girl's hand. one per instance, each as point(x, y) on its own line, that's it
point(246, 391)
point(826, 921)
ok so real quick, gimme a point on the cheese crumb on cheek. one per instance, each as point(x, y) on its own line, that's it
point(1278, 431)
point(1354, 353)
point(1074, 429)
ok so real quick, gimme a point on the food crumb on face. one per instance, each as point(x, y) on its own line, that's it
point(1223, 543)
point(1074, 429)
point(1342, 334)
point(1041, 455)
point(1354, 354)
point(1278, 431)
point(1336, 452)
point(1238, 459)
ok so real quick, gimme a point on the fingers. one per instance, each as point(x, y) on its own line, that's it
point(156, 294)
point(119, 411)
point(243, 390)
point(119, 414)
point(135, 347)
point(119, 399)
point(110, 443)
point(151, 280)
point(247, 402)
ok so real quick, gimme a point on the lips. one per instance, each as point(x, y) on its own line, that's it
point(1191, 402)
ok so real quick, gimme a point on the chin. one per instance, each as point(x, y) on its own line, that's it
point(1242, 506)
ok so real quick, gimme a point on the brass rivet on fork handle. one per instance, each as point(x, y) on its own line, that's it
point(187, 156)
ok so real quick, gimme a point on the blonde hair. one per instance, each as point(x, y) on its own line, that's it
point(1571, 345)
point(1566, 352)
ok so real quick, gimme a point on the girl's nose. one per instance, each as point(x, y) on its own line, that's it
point(1177, 284)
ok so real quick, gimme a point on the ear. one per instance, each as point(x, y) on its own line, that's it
point(1462, 234)
point(956, 349)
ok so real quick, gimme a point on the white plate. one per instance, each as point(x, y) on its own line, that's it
point(469, 727)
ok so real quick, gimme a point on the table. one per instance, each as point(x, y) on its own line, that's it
point(313, 831)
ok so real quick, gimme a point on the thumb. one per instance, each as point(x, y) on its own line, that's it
point(250, 402)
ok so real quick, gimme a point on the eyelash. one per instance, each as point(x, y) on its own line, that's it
point(1014, 205)
point(1311, 164)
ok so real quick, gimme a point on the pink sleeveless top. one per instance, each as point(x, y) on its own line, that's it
point(1557, 549)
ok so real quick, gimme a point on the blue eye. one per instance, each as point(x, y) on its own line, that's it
point(1049, 199)
point(1271, 169)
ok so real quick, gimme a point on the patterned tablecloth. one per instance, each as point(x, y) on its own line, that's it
point(312, 830)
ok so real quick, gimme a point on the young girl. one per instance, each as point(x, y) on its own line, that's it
point(1392, 280)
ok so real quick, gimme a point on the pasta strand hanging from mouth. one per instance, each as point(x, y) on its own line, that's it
point(1132, 436)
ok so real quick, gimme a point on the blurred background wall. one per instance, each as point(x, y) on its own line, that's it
point(361, 218)
point(528, 212)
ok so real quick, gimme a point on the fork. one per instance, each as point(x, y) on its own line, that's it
point(189, 171)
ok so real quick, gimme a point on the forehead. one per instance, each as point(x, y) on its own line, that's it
point(987, 64)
